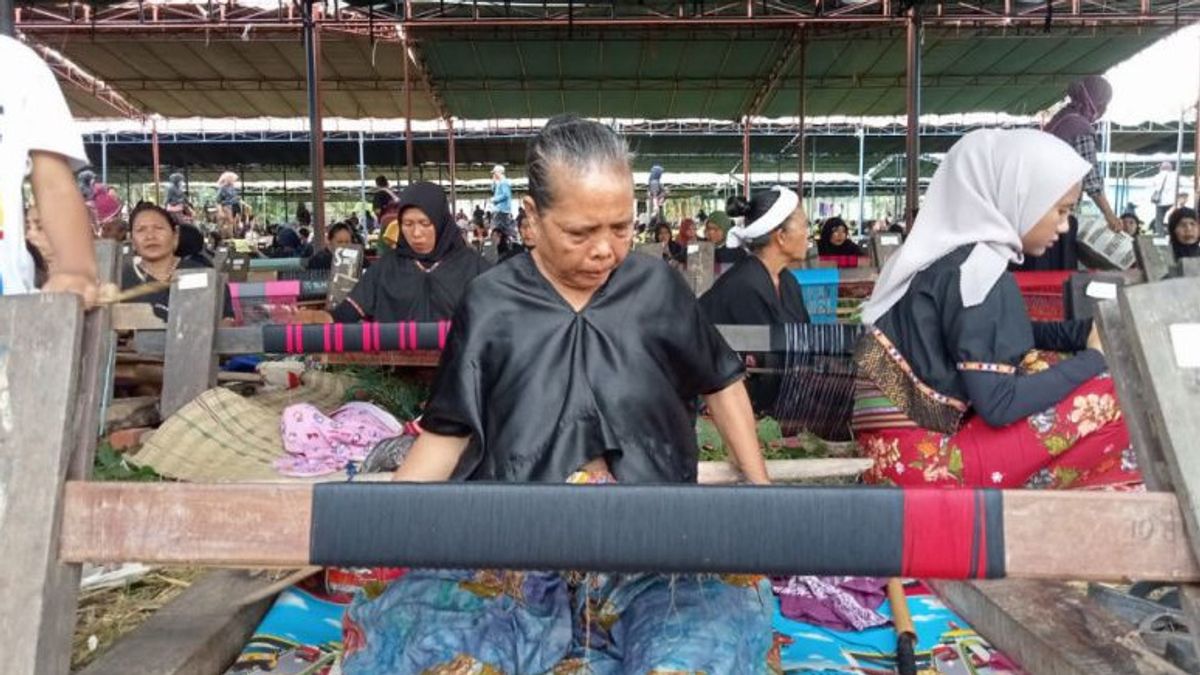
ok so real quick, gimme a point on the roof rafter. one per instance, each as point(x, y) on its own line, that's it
point(782, 66)
point(71, 72)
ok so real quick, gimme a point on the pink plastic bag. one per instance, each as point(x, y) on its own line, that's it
point(320, 444)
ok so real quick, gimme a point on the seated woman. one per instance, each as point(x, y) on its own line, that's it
point(339, 234)
point(673, 252)
point(157, 255)
point(576, 363)
point(950, 389)
point(761, 290)
point(425, 276)
point(1185, 233)
point(835, 244)
point(723, 256)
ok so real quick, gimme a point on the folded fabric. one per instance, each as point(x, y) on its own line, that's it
point(840, 603)
point(319, 444)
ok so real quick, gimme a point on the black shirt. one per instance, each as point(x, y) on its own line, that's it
point(542, 389)
point(972, 353)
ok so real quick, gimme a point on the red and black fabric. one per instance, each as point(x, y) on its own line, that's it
point(949, 534)
point(336, 338)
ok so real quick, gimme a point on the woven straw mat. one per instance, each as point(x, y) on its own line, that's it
point(221, 436)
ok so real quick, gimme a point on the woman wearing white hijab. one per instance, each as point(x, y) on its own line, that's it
point(951, 390)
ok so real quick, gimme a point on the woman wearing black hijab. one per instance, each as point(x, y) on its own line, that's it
point(1185, 233)
point(425, 276)
point(835, 243)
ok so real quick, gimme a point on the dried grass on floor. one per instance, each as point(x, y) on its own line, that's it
point(109, 614)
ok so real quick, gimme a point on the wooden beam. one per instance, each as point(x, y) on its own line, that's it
point(1051, 628)
point(198, 633)
point(39, 381)
point(1162, 320)
point(98, 344)
point(786, 470)
point(136, 316)
point(191, 363)
point(883, 245)
point(700, 267)
point(1154, 256)
point(1113, 536)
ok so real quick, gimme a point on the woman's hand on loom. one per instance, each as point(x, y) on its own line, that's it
point(65, 282)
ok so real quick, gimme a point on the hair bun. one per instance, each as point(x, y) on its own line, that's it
point(737, 207)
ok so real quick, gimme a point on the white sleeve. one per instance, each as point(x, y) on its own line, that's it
point(49, 125)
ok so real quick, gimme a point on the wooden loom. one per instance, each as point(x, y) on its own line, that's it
point(51, 518)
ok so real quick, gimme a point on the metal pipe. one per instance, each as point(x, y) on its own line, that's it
point(453, 166)
point(801, 104)
point(408, 139)
point(812, 186)
point(316, 143)
point(1179, 153)
point(362, 172)
point(154, 158)
point(7, 19)
point(103, 155)
point(960, 21)
point(912, 181)
point(1195, 158)
point(746, 156)
point(862, 181)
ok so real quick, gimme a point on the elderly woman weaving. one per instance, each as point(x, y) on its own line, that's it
point(576, 362)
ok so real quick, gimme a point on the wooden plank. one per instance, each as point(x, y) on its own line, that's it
point(786, 470)
point(1131, 392)
point(191, 363)
point(234, 525)
point(700, 266)
point(1151, 312)
point(1154, 257)
point(415, 359)
point(239, 268)
point(39, 377)
point(200, 632)
point(97, 355)
point(1190, 267)
point(1084, 289)
point(883, 246)
point(344, 274)
point(136, 316)
point(1146, 531)
point(1113, 536)
point(1051, 628)
point(746, 338)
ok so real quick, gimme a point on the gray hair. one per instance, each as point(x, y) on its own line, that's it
point(579, 144)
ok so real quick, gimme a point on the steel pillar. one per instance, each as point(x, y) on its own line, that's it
point(1179, 154)
point(746, 156)
point(862, 180)
point(453, 166)
point(801, 104)
point(408, 139)
point(316, 143)
point(362, 172)
point(154, 158)
point(103, 156)
point(912, 182)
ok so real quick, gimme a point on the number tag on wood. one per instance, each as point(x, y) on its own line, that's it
point(1185, 338)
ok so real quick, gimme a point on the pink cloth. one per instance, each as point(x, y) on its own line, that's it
point(840, 603)
point(319, 444)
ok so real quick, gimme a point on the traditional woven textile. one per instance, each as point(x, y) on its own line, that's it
point(221, 436)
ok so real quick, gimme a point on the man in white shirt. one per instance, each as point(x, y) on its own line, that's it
point(38, 140)
point(1163, 195)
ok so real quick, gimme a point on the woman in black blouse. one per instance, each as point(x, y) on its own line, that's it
point(951, 388)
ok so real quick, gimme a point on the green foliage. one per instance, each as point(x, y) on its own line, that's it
point(112, 465)
point(771, 440)
point(401, 396)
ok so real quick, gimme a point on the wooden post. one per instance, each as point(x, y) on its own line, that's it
point(344, 275)
point(99, 343)
point(1154, 256)
point(197, 301)
point(883, 245)
point(700, 266)
point(1084, 289)
point(39, 382)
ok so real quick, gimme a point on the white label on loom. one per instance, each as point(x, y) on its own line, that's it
point(1185, 338)
point(694, 248)
point(189, 282)
point(1161, 241)
point(890, 240)
point(1101, 290)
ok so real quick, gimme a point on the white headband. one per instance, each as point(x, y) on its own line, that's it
point(775, 216)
